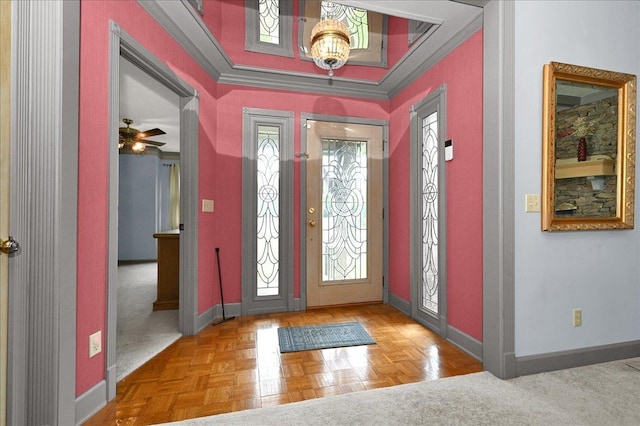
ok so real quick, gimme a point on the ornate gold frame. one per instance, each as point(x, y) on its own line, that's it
point(625, 84)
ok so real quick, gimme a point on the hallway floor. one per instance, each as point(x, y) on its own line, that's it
point(237, 365)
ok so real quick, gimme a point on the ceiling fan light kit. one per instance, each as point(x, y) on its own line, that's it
point(330, 44)
point(133, 140)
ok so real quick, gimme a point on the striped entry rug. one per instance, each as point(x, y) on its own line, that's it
point(322, 336)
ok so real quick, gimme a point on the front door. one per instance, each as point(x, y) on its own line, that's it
point(344, 213)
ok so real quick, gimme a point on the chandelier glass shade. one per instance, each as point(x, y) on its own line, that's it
point(330, 44)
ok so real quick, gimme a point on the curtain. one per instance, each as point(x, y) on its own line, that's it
point(174, 196)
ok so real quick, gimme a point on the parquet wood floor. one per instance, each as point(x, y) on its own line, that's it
point(237, 365)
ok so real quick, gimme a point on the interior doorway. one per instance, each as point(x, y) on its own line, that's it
point(344, 213)
point(148, 207)
point(123, 45)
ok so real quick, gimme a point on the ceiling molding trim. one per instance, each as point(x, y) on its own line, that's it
point(177, 18)
point(408, 71)
point(300, 82)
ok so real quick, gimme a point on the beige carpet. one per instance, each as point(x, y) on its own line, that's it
point(602, 394)
point(142, 332)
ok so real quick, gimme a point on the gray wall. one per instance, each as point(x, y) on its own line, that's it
point(143, 205)
point(597, 271)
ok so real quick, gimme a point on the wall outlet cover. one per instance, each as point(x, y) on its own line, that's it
point(95, 344)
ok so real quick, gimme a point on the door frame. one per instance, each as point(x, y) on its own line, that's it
point(253, 304)
point(436, 101)
point(122, 44)
point(303, 196)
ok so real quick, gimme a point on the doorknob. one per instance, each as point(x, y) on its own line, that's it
point(9, 246)
point(312, 223)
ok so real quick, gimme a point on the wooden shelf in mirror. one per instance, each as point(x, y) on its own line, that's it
point(595, 165)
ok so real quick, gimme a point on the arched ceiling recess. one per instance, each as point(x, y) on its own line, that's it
point(457, 21)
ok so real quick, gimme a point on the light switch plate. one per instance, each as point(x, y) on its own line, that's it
point(532, 203)
point(207, 206)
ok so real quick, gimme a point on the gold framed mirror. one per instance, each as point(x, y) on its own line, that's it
point(588, 150)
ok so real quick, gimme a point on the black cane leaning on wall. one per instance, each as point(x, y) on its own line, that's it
point(224, 318)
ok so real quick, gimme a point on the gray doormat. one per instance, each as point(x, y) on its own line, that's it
point(323, 336)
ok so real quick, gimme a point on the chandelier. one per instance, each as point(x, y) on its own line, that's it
point(330, 44)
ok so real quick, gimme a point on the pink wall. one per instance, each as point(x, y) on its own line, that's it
point(227, 32)
point(94, 162)
point(231, 100)
point(461, 71)
point(220, 148)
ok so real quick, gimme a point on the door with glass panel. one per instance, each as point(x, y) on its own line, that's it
point(428, 201)
point(344, 213)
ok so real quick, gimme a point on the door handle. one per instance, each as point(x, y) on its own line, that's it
point(9, 246)
point(312, 223)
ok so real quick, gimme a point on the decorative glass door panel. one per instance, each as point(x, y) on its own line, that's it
point(429, 291)
point(344, 213)
point(428, 230)
point(267, 211)
point(268, 217)
point(344, 210)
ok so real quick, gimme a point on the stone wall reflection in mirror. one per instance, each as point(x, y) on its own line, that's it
point(588, 178)
point(586, 139)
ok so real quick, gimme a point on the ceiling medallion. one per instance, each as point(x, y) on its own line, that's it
point(330, 44)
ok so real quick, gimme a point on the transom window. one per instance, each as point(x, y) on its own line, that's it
point(269, 27)
point(355, 19)
point(270, 21)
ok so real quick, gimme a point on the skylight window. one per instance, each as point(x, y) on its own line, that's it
point(269, 27)
point(269, 11)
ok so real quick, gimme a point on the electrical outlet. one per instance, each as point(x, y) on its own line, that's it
point(577, 317)
point(95, 344)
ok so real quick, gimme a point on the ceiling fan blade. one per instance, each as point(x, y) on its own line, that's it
point(153, 142)
point(151, 132)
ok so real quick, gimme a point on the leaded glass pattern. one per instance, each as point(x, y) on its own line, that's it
point(355, 19)
point(268, 215)
point(270, 21)
point(344, 210)
point(430, 213)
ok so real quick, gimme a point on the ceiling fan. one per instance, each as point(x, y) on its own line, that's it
point(133, 140)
